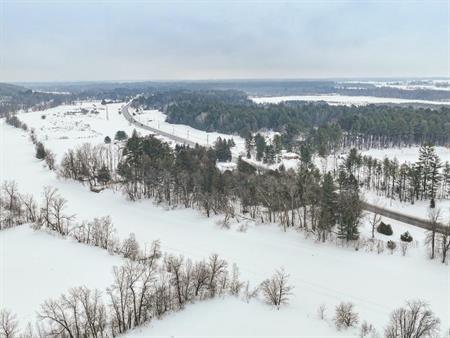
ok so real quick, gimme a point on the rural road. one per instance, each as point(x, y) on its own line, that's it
point(404, 218)
point(126, 113)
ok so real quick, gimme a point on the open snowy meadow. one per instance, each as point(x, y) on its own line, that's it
point(37, 265)
point(375, 283)
point(337, 99)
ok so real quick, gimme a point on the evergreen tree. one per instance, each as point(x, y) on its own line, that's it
point(120, 135)
point(249, 145)
point(222, 148)
point(260, 143)
point(446, 180)
point(426, 153)
point(349, 207)
point(434, 178)
point(40, 151)
point(269, 157)
point(328, 206)
point(277, 143)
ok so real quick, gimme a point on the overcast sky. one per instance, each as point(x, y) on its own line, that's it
point(149, 40)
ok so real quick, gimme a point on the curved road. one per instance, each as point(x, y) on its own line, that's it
point(125, 112)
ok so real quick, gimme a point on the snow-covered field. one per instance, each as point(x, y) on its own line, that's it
point(336, 99)
point(405, 154)
point(320, 273)
point(432, 84)
point(254, 319)
point(232, 317)
point(36, 266)
point(66, 127)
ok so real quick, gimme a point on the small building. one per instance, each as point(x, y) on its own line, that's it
point(290, 156)
point(226, 166)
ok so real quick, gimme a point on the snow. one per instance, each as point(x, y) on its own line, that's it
point(62, 129)
point(321, 273)
point(157, 119)
point(336, 99)
point(232, 317)
point(65, 127)
point(432, 84)
point(36, 266)
point(418, 209)
point(224, 166)
point(405, 154)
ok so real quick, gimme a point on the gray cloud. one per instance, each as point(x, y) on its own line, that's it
point(45, 41)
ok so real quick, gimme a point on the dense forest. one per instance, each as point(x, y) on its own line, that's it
point(324, 126)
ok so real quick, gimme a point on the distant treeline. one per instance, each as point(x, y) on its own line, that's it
point(250, 87)
point(325, 126)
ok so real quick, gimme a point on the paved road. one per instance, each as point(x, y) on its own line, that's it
point(414, 221)
point(133, 121)
point(126, 113)
point(418, 222)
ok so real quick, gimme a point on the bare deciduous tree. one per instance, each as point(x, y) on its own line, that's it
point(235, 284)
point(434, 215)
point(345, 316)
point(415, 320)
point(80, 313)
point(444, 242)
point(374, 221)
point(31, 208)
point(50, 160)
point(10, 205)
point(367, 330)
point(217, 267)
point(8, 324)
point(276, 290)
point(321, 311)
point(60, 222)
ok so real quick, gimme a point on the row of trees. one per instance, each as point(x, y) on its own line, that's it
point(415, 319)
point(141, 291)
point(42, 153)
point(426, 179)
point(51, 215)
point(17, 209)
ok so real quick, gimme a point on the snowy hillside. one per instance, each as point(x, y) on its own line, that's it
point(258, 251)
point(37, 266)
